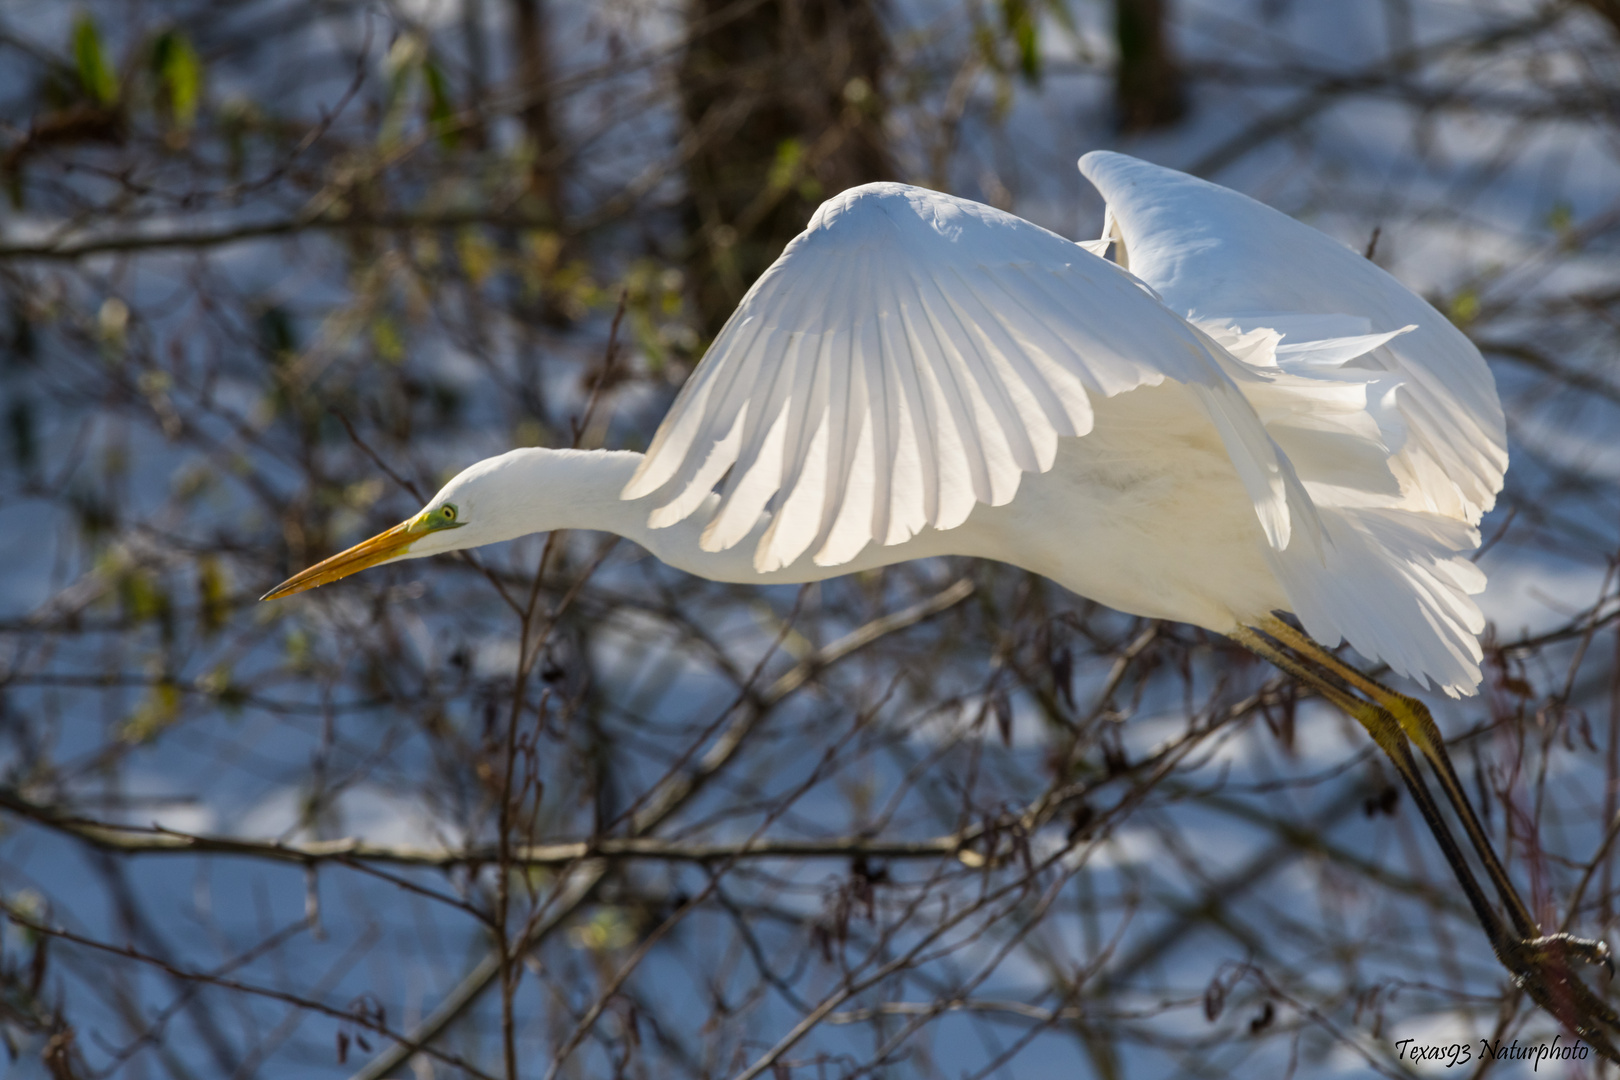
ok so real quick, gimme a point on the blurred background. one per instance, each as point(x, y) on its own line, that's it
point(272, 270)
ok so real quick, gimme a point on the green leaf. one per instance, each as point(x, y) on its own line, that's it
point(213, 607)
point(179, 75)
point(441, 112)
point(154, 715)
point(141, 596)
point(299, 649)
point(786, 169)
point(1029, 49)
point(1464, 307)
point(479, 258)
point(387, 338)
point(94, 72)
point(401, 68)
point(1023, 26)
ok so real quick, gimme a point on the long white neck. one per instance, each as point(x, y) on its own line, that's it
point(579, 489)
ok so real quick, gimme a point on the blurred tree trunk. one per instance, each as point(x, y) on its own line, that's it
point(1148, 90)
point(532, 63)
point(783, 104)
point(531, 60)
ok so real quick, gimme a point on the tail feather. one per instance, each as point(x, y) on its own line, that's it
point(1393, 579)
point(1398, 586)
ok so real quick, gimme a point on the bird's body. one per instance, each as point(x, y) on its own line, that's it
point(1235, 417)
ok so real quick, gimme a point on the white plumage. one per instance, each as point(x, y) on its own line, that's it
point(1236, 416)
point(912, 355)
point(1215, 253)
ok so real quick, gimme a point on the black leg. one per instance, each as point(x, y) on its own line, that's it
point(1386, 732)
point(1415, 720)
point(1540, 964)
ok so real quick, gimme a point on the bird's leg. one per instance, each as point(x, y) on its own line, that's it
point(1415, 719)
point(1386, 732)
point(1539, 963)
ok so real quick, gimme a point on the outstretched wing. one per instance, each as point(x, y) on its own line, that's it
point(1218, 255)
point(911, 355)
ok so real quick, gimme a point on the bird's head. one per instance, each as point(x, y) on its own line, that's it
point(471, 510)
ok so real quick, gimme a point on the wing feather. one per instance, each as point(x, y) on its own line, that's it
point(1364, 371)
point(885, 426)
point(913, 486)
point(962, 474)
point(974, 404)
point(910, 356)
point(1011, 376)
point(805, 475)
point(1219, 254)
point(849, 419)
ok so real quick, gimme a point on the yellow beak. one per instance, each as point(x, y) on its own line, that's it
point(379, 548)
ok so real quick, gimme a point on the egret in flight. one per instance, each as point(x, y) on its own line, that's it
point(1234, 419)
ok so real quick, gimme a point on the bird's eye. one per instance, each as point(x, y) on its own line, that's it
point(447, 512)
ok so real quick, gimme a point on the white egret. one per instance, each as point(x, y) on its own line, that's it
point(1234, 419)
